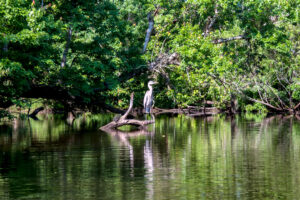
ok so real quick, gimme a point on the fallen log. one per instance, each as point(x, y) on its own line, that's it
point(124, 121)
point(188, 111)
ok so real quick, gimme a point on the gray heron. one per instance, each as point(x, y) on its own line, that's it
point(148, 98)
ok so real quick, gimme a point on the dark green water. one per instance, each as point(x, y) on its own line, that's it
point(177, 158)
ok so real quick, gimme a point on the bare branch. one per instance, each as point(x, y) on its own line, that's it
point(224, 40)
point(257, 101)
point(223, 82)
point(212, 21)
point(261, 97)
point(279, 99)
point(279, 80)
point(73, 61)
point(129, 108)
point(297, 106)
point(264, 103)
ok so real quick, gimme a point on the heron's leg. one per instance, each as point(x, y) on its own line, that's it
point(152, 106)
point(152, 117)
point(146, 115)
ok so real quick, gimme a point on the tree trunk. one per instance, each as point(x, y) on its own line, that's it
point(149, 31)
point(65, 54)
point(233, 104)
point(5, 46)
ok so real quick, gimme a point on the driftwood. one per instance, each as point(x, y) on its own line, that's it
point(124, 121)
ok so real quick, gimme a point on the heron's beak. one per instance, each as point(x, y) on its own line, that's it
point(155, 83)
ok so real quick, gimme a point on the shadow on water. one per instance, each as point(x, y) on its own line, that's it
point(178, 157)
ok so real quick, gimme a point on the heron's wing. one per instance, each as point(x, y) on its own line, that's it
point(146, 98)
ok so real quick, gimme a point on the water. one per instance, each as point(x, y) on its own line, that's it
point(177, 158)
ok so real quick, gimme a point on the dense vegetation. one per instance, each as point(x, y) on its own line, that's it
point(92, 54)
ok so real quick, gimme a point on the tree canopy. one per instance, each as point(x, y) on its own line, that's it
point(93, 54)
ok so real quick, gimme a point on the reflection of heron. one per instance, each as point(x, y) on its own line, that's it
point(123, 138)
point(148, 98)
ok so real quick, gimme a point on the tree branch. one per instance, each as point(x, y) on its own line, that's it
point(224, 40)
point(212, 21)
point(123, 121)
point(129, 108)
point(297, 106)
point(279, 99)
point(261, 97)
point(257, 101)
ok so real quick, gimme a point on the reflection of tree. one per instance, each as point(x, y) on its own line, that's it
point(283, 136)
point(24, 134)
point(20, 172)
point(185, 156)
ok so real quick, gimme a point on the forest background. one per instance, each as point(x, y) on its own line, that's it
point(91, 54)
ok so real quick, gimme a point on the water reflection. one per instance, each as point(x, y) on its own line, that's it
point(176, 158)
point(123, 138)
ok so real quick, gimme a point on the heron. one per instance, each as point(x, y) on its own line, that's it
point(148, 98)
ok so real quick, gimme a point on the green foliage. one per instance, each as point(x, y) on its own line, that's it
point(246, 48)
point(4, 114)
point(256, 107)
point(104, 46)
point(263, 64)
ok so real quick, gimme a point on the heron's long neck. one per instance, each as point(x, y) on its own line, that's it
point(150, 88)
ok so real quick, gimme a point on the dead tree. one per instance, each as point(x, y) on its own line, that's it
point(124, 121)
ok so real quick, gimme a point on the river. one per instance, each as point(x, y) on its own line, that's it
point(178, 157)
